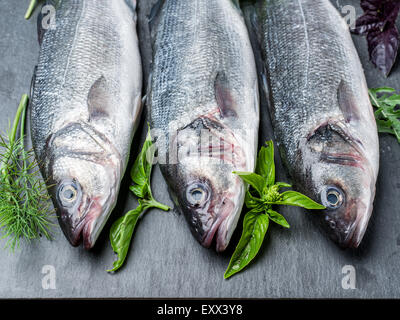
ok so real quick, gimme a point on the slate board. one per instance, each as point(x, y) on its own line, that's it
point(165, 260)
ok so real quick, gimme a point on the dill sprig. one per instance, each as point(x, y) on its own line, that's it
point(25, 211)
point(31, 8)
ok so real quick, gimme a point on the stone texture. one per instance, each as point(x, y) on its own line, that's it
point(165, 260)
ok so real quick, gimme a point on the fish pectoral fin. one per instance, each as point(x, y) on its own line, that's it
point(225, 101)
point(347, 102)
point(100, 99)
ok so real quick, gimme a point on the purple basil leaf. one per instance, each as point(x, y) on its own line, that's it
point(366, 23)
point(383, 47)
point(391, 11)
point(379, 25)
point(371, 5)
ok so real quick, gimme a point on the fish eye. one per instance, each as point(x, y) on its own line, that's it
point(197, 194)
point(332, 197)
point(68, 193)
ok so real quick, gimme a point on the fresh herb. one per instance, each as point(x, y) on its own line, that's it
point(24, 201)
point(31, 8)
point(122, 230)
point(388, 114)
point(264, 192)
point(379, 25)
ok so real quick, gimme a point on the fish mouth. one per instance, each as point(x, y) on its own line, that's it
point(353, 239)
point(358, 229)
point(81, 230)
point(87, 229)
point(78, 234)
point(215, 218)
point(348, 232)
point(223, 227)
point(217, 231)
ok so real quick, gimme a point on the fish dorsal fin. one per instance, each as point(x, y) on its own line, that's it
point(99, 99)
point(223, 96)
point(347, 102)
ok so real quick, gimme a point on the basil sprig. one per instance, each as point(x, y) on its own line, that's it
point(122, 230)
point(387, 115)
point(263, 194)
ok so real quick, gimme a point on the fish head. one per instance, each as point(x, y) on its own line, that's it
point(341, 176)
point(202, 183)
point(211, 198)
point(83, 186)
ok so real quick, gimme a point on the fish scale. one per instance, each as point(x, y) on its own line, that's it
point(322, 118)
point(85, 108)
point(203, 48)
point(204, 80)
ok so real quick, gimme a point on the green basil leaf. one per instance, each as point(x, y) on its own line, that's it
point(251, 202)
point(255, 226)
point(278, 218)
point(253, 179)
point(283, 185)
point(139, 191)
point(121, 234)
point(265, 163)
point(293, 198)
point(381, 90)
point(395, 127)
point(152, 203)
point(387, 115)
point(384, 126)
point(392, 100)
point(122, 230)
point(141, 170)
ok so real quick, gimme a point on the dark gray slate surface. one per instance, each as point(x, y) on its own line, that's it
point(165, 260)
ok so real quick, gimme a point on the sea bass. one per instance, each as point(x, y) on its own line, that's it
point(204, 111)
point(86, 104)
point(322, 117)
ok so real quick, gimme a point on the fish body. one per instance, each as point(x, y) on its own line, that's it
point(85, 107)
point(204, 111)
point(322, 117)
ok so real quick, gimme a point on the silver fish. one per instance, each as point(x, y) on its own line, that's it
point(321, 113)
point(86, 104)
point(204, 109)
